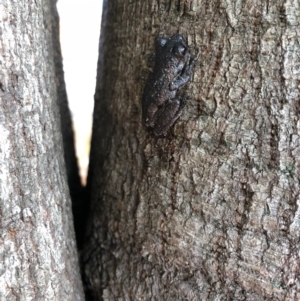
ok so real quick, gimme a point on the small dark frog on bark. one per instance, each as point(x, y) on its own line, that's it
point(172, 70)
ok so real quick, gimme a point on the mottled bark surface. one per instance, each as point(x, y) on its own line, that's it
point(209, 212)
point(38, 258)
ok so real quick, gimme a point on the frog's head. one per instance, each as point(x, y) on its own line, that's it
point(178, 46)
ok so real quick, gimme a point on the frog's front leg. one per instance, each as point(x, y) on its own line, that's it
point(167, 115)
point(184, 77)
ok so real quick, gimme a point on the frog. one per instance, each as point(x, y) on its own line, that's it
point(173, 67)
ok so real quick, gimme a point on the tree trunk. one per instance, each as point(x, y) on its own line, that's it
point(209, 211)
point(38, 258)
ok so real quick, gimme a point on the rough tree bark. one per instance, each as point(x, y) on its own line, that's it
point(38, 257)
point(210, 211)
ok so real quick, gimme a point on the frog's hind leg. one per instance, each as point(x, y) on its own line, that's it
point(168, 116)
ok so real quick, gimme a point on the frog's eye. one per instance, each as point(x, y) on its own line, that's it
point(179, 50)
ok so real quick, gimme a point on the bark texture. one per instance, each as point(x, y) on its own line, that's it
point(38, 258)
point(211, 211)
